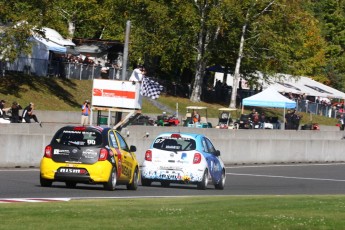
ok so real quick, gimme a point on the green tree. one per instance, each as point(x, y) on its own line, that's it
point(275, 37)
point(17, 20)
point(331, 15)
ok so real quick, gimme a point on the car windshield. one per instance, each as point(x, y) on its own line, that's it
point(174, 144)
point(78, 137)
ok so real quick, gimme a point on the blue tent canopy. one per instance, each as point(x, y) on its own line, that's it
point(269, 98)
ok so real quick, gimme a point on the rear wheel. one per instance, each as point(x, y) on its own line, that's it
point(45, 182)
point(221, 182)
point(135, 179)
point(70, 184)
point(203, 183)
point(111, 184)
point(145, 182)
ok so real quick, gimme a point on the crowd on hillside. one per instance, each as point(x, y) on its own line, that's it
point(65, 65)
point(317, 105)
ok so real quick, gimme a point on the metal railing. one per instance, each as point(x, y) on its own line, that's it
point(40, 67)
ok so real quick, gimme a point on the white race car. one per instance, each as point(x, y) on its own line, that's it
point(186, 158)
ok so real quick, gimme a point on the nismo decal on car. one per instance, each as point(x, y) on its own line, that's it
point(72, 170)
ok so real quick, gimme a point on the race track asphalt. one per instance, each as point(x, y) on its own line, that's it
point(289, 179)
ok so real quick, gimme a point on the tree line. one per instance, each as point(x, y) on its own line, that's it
point(178, 39)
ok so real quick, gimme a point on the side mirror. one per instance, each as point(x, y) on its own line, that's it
point(132, 148)
point(217, 153)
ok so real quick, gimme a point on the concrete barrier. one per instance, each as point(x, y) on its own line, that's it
point(22, 145)
point(255, 146)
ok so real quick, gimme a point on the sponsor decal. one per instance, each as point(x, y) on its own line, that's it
point(127, 163)
point(113, 93)
point(126, 171)
point(89, 153)
point(79, 132)
point(61, 152)
point(172, 147)
point(173, 175)
point(97, 92)
point(119, 164)
point(72, 170)
point(171, 168)
point(217, 168)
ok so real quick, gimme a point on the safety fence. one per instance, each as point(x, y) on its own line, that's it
point(69, 70)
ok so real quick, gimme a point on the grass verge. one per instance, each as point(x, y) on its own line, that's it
point(219, 212)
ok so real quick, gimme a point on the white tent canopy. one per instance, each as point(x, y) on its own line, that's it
point(304, 85)
point(54, 36)
point(269, 98)
point(285, 83)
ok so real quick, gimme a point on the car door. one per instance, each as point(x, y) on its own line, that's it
point(213, 162)
point(114, 145)
point(128, 160)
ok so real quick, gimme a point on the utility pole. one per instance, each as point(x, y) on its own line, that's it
point(125, 51)
point(118, 115)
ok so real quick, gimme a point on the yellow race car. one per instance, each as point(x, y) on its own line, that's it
point(89, 155)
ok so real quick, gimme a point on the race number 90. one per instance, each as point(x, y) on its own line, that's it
point(91, 142)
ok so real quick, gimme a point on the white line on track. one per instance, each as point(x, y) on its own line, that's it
point(283, 165)
point(285, 177)
point(19, 169)
point(33, 200)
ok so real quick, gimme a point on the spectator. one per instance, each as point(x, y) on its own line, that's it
point(251, 115)
point(262, 120)
point(105, 70)
point(138, 74)
point(3, 115)
point(3, 110)
point(15, 118)
point(28, 114)
point(342, 121)
point(295, 120)
point(196, 117)
point(288, 124)
point(85, 112)
point(256, 120)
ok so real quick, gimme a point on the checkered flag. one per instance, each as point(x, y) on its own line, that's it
point(150, 88)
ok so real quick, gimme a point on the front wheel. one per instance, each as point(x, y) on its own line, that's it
point(111, 184)
point(45, 182)
point(220, 185)
point(134, 184)
point(203, 183)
